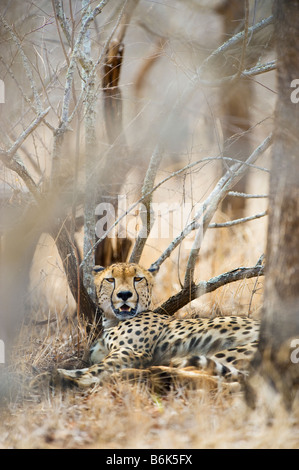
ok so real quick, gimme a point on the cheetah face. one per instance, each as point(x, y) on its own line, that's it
point(123, 290)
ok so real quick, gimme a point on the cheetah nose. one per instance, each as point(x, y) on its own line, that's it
point(124, 295)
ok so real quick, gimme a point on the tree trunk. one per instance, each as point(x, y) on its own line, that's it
point(235, 108)
point(91, 158)
point(67, 251)
point(280, 321)
point(118, 155)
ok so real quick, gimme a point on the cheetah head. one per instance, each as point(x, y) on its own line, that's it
point(123, 290)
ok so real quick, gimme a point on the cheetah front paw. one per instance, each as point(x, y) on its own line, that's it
point(70, 378)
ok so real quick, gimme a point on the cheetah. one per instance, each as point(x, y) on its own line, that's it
point(135, 337)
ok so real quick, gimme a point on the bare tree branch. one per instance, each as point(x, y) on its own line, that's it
point(230, 179)
point(97, 62)
point(118, 152)
point(186, 295)
point(247, 196)
point(61, 20)
point(238, 221)
point(67, 252)
point(245, 40)
point(26, 64)
point(17, 144)
point(14, 163)
point(65, 118)
point(147, 191)
point(192, 226)
point(235, 40)
point(259, 69)
point(74, 56)
point(223, 186)
point(58, 8)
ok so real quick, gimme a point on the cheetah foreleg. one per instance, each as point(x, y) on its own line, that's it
point(115, 361)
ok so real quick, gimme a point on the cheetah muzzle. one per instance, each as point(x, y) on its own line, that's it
point(123, 308)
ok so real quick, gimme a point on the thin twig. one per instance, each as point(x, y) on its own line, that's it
point(26, 64)
point(147, 200)
point(73, 59)
point(60, 16)
point(17, 144)
point(259, 69)
point(238, 221)
point(60, 19)
point(245, 40)
point(226, 183)
point(247, 196)
point(15, 164)
point(226, 46)
point(215, 194)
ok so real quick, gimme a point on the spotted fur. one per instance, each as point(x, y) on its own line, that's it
point(135, 337)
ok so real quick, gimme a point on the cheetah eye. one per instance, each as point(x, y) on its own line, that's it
point(138, 279)
point(109, 279)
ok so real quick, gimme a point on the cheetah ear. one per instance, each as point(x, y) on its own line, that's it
point(97, 269)
point(153, 270)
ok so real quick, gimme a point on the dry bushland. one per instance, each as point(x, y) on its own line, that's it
point(77, 135)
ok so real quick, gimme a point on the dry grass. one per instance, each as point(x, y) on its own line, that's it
point(121, 416)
